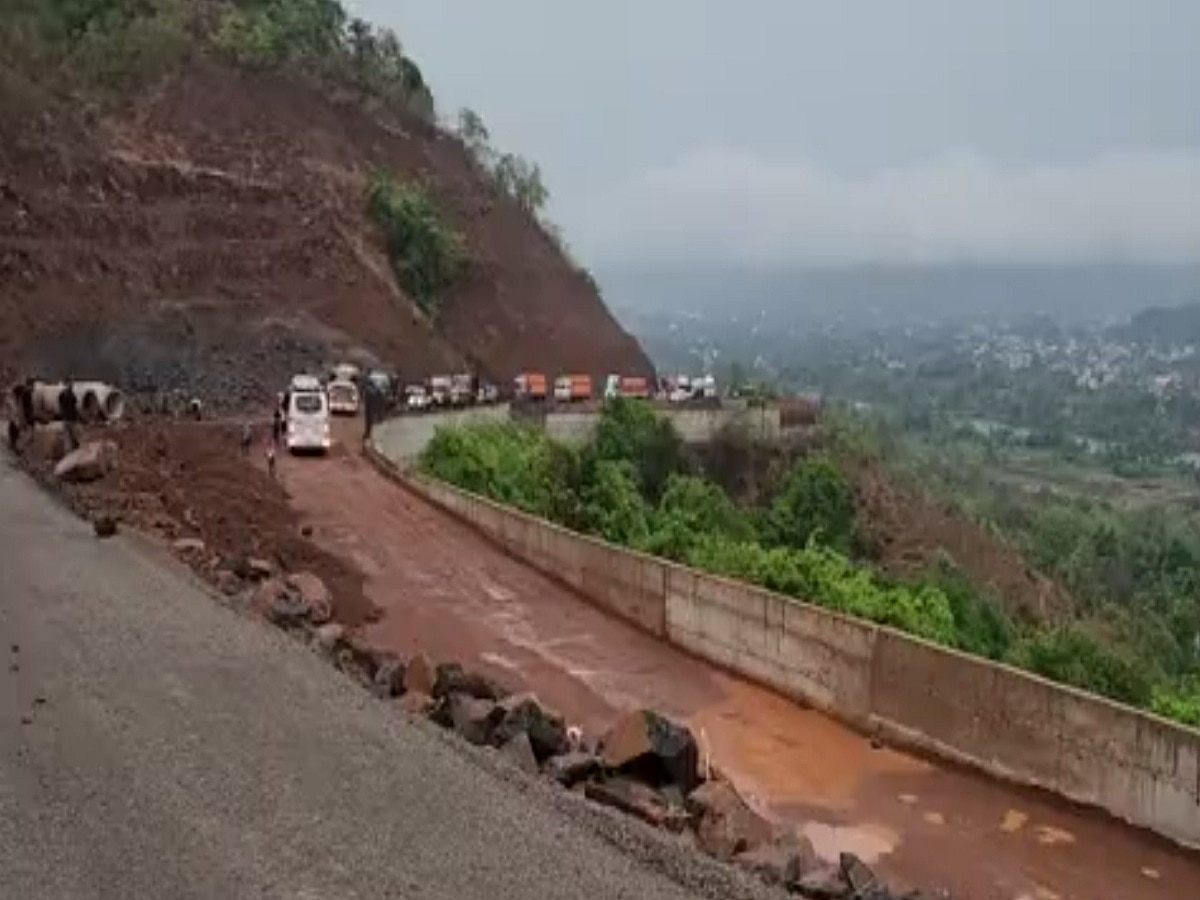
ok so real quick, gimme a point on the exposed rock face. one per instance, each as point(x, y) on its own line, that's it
point(726, 825)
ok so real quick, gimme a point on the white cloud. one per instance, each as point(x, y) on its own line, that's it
point(736, 206)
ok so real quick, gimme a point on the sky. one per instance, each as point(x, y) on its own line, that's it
point(790, 132)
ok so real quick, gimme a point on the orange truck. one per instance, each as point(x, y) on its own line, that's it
point(634, 386)
point(530, 386)
point(572, 388)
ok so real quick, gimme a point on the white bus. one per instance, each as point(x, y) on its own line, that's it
point(307, 416)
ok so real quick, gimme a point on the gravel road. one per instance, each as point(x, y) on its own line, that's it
point(154, 743)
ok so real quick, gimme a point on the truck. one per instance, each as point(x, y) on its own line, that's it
point(572, 388)
point(631, 386)
point(530, 386)
point(461, 390)
point(440, 389)
point(343, 397)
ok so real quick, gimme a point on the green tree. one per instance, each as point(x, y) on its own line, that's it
point(630, 431)
point(612, 506)
point(816, 503)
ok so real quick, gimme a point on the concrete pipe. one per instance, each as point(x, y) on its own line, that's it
point(45, 401)
point(99, 402)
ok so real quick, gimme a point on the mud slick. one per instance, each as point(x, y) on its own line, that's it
point(645, 765)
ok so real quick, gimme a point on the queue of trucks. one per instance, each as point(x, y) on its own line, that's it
point(344, 383)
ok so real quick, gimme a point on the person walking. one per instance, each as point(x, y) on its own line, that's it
point(247, 439)
point(277, 425)
point(370, 402)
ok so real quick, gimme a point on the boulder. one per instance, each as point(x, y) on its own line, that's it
point(266, 594)
point(451, 678)
point(859, 876)
point(259, 569)
point(471, 717)
point(523, 714)
point(637, 799)
point(189, 548)
point(287, 610)
point(545, 727)
point(228, 582)
point(104, 526)
point(784, 861)
point(328, 636)
point(420, 676)
point(823, 883)
point(568, 769)
point(91, 462)
point(726, 825)
point(415, 704)
point(653, 749)
point(315, 595)
point(519, 751)
point(389, 677)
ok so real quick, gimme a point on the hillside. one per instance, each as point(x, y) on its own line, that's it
point(207, 231)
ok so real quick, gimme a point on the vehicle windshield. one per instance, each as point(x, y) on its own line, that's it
point(309, 404)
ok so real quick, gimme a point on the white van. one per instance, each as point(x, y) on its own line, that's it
point(307, 416)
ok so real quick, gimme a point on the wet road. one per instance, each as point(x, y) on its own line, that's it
point(449, 592)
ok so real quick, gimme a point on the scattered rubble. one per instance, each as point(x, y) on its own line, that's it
point(645, 766)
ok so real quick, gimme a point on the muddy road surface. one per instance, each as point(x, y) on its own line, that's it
point(447, 591)
point(154, 744)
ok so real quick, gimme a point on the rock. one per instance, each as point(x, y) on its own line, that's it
point(859, 876)
point(91, 462)
point(189, 547)
point(471, 717)
point(259, 569)
point(519, 750)
point(389, 678)
point(315, 595)
point(451, 678)
point(329, 635)
point(823, 883)
point(228, 582)
point(287, 611)
point(653, 749)
point(414, 704)
point(523, 713)
point(238, 565)
point(726, 825)
point(637, 799)
point(420, 676)
point(306, 531)
point(783, 862)
point(104, 526)
point(568, 769)
point(265, 595)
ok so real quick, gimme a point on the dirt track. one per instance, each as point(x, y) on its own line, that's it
point(445, 590)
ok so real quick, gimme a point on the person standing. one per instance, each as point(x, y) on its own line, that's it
point(277, 425)
point(369, 411)
point(68, 408)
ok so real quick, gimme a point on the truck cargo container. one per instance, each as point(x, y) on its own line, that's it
point(573, 388)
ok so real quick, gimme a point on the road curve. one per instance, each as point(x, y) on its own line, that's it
point(156, 744)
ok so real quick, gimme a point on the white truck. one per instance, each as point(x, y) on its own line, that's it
point(344, 399)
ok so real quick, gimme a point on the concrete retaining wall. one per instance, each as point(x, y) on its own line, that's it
point(1002, 721)
point(407, 435)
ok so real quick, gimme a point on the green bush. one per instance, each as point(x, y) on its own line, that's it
point(630, 431)
point(692, 508)
point(1069, 656)
point(612, 507)
point(816, 502)
point(425, 253)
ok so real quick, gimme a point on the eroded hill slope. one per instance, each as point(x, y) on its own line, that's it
point(210, 235)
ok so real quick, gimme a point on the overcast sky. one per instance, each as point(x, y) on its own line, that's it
point(837, 132)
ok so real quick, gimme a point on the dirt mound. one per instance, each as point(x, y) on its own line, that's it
point(903, 532)
point(908, 532)
point(186, 479)
point(218, 226)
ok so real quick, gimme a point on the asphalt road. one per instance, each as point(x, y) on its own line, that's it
point(154, 744)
